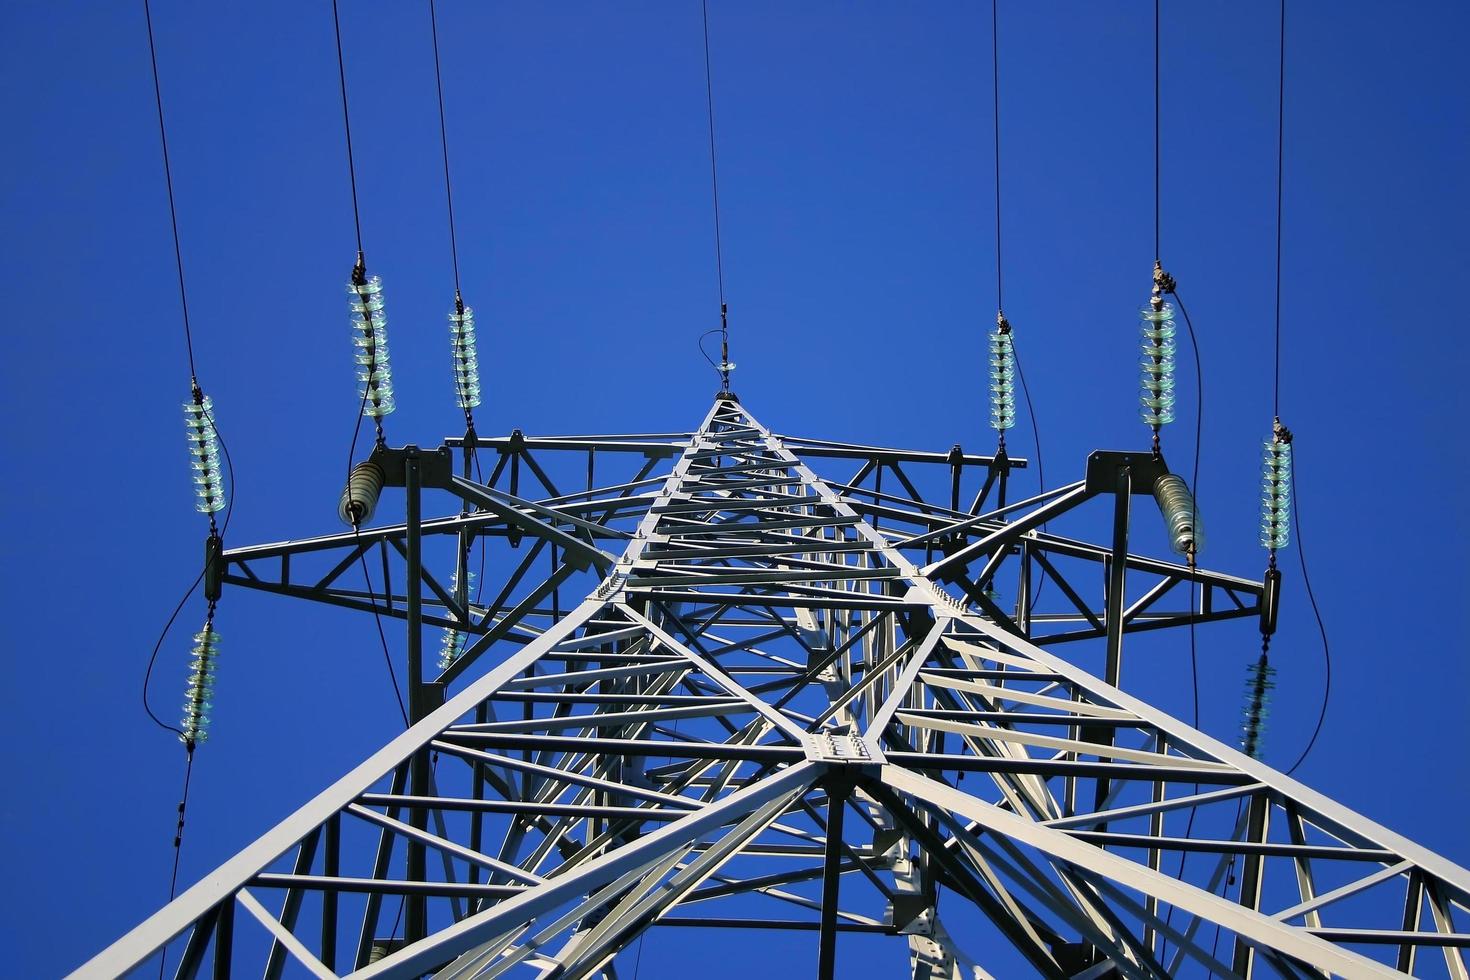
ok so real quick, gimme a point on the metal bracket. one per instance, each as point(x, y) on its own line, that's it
point(1103, 467)
point(436, 466)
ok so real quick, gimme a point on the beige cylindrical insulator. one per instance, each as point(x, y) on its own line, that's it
point(360, 496)
point(1176, 503)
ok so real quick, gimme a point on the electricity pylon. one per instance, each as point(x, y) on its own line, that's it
point(762, 715)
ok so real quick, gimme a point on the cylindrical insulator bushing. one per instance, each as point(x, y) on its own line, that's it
point(360, 496)
point(1260, 681)
point(197, 698)
point(1002, 380)
point(466, 359)
point(209, 481)
point(1157, 378)
point(1176, 503)
point(1276, 495)
point(370, 347)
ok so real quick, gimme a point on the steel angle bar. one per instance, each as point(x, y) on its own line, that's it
point(1005, 536)
point(905, 681)
point(284, 936)
point(633, 746)
point(635, 669)
point(535, 901)
point(565, 775)
point(1158, 806)
point(439, 842)
point(1205, 845)
point(1248, 924)
point(1316, 903)
point(603, 719)
point(992, 520)
point(1052, 544)
point(533, 808)
point(503, 627)
point(511, 509)
point(1183, 941)
point(383, 886)
point(824, 448)
point(718, 676)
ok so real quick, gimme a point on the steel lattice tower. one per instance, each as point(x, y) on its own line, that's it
point(761, 716)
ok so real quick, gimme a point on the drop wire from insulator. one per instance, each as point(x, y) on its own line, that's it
point(1260, 682)
point(452, 645)
point(466, 358)
point(209, 481)
point(370, 343)
point(1276, 494)
point(200, 691)
point(1002, 377)
point(1157, 374)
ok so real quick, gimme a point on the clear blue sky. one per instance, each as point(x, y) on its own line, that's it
point(855, 159)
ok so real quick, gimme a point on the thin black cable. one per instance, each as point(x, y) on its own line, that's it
point(1280, 164)
point(705, 352)
point(714, 177)
point(1040, 469)
point(148, 674)
point(1158, 248)
point(1229, 880)
point(169, 181)
point(1199, 427)
point(382, 637)
point(1199, 424)
point(638, 960)
point(1321, 628)
point(229, 469)
point(444, 145)
point(480, 582)
point(347, 126)
point(173, 881)
point(995, 90)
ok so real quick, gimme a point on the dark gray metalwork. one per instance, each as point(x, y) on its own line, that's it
point(760, 713)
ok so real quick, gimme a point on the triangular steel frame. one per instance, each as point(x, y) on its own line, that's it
point(839, 661)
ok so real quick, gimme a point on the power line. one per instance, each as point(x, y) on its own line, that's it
point(995, 90)
point(1158, 248)
point(444, 145)
point(169, 181)
point(1280, 165)
point(347, 126)
point(714, 179)
point(999, 284)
